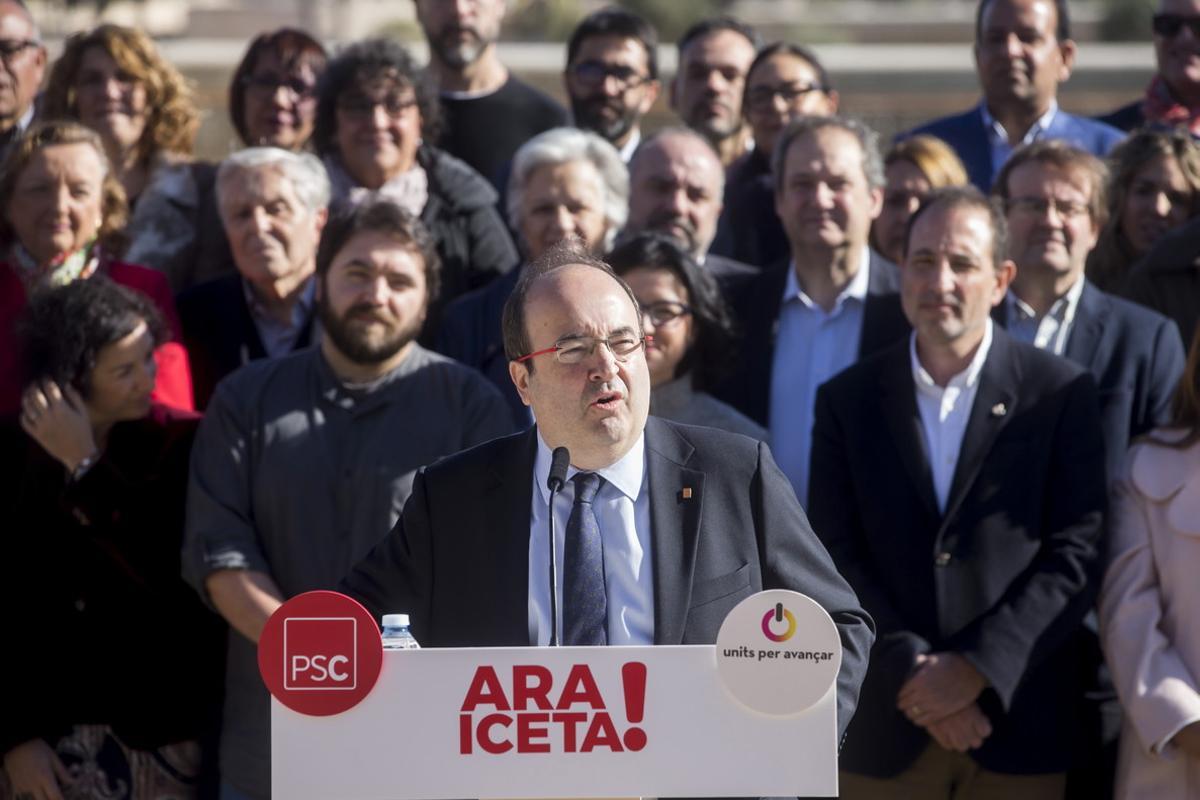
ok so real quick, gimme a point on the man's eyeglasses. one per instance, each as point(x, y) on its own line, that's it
point(1169, 25)
point(11, 48)
point(267, 85)
point(664, 311)
point(574, 349)
point(761, 98)
point(1038, 206)
point(593, 74)
point(361, 107)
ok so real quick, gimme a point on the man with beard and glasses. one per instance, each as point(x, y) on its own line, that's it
point(612, 76)
point(676, 186)
point(488, 111)
point(303, 462)
point(22, 64)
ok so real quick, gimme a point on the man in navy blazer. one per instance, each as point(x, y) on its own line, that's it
point(958, 482)
point(1135, 355)
point(273, 206)
point(691, 520)
point(832, 302)
point(1023, 51)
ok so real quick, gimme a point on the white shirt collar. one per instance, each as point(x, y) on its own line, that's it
point(856, 288)
point(1062, 310)
point(628, 149)
point(997, 133)
point(963, 380)
point(625, 473)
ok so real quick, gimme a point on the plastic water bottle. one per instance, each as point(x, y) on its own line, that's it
point(396, 635)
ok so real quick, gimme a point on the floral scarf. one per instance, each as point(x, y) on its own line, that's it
point(61, 270)
point(1160, 106)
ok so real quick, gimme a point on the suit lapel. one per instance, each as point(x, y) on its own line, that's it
point(507, 503)
point(1083, 343)
point(674, 527)
point(995, 402)
point(899, 403)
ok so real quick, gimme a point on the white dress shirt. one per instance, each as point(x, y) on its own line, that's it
point(622, 509)
point(812, 347)
point(1050, 333)
point(945, 412)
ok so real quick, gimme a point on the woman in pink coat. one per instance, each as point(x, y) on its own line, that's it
point(1150, 604)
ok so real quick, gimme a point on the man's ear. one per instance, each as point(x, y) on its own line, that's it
point(520, 378)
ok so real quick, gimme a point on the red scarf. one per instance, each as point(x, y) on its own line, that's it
point(1161, 106)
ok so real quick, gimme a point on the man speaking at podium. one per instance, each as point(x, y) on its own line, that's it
point(661, 528)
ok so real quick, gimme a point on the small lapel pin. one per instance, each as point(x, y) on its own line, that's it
point(999, 410)
point(686, 494)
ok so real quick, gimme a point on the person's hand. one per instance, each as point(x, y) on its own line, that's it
point(58, 421)
point(940, 685)
point(35, 771)
point(961, 731)
point(1188, 739)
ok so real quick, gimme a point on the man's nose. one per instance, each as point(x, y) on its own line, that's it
point(602, 363)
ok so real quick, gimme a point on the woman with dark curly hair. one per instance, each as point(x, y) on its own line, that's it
point(114, 80)
point(62, 221)
point(692, 332)
point(375, 114)
point(1154, 187)
point(273, 92)
point(119, 662)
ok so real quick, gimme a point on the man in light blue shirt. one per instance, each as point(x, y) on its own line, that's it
point(828, 192)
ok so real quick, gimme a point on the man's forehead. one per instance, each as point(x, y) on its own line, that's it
point(1015, 14)
point(952, 228)
point(15, 22)
point(1042, 177)
point(827, 149)
point(612, 48)
point(681, 158)
point(570, 289)
point(721, 46)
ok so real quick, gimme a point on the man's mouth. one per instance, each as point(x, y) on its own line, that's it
point(607, 401)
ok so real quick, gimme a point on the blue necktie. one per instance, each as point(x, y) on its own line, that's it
point(585, 603)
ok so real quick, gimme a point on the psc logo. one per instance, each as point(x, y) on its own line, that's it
point(320, 653)
point(778, 615)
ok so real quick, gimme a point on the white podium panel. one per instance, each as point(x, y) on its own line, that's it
point(554, 722)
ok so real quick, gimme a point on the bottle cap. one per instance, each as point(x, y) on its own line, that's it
point(395, 620)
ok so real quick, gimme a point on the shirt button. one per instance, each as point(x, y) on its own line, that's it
point(942, 559)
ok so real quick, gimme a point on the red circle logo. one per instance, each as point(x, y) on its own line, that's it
point(320, 653)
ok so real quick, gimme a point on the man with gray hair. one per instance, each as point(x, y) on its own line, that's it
point(22, 65)
point(273, 207)
point(566, 183)
point(676, 186)
point(832, 302)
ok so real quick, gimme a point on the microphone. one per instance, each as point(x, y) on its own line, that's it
point(559, 461)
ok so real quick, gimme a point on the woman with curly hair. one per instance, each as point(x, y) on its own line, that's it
point(1154, 187)
point(61, 221)
point(119, 668)
point(114, 80)
point(376, 114)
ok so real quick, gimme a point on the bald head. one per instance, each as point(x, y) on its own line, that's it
point(676, 188)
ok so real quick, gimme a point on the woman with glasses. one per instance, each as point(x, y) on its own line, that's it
point(116, 663)
point(1154, 187)
point(114, 80)
point(61, 222)
point(912, 169)
point(785, 81)
point(689, 332)
point(273, 93)
point(376, 113)
point(1148, 603)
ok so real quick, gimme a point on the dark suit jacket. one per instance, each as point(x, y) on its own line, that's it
point(756, 302)
point(220, 334)
point(461, 569)
point(966, 134)
point(1003, 577)
point(1135, 356)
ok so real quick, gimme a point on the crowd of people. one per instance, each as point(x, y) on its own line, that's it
point(963, 353)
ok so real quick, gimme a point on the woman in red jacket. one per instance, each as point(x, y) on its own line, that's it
point(61, 221)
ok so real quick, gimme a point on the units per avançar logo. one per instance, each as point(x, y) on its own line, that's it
point(778, 615)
